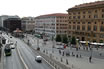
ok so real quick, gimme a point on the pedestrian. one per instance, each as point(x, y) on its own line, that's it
point(90, 59)
point(59, 51)
point(76, 55)
point(100, 54)
point(72, 53)
point(63, 53)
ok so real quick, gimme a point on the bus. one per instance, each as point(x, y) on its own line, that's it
point(7, 50)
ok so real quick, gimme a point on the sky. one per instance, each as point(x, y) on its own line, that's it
point(33, 8)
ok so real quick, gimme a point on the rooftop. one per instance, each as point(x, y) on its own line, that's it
point(88, 4)
point(55, 14)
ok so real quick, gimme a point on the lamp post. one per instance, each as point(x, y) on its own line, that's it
point(53, 44)
point(38, 48)
point(44, 34)
point(92, 41)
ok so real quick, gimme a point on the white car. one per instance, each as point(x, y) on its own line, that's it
point(38, 59)
point(12, 46)
point(60, 47)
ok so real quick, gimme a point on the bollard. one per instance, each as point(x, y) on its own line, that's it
point(72, 66)
point(50, 55)
point(55, 66)
point(56, 58)
point(67, 61)
point(43, 51)
point(80, 55)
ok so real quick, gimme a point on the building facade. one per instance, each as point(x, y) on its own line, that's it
point(51, 24)
point(86, 21)
point(28, 23)
point(4, 17)
point(12, 24)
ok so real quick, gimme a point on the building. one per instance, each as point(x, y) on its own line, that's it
point(51, 24)
point(4, 17)
point(86, 21)
point(12, 24)
point(28, 23)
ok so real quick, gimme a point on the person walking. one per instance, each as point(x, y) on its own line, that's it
point(90, 58)
point(63, 53)
point(59, 51)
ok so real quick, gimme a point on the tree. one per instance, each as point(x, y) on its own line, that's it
point(58, 38)
point(73, 41)
point(65, 39)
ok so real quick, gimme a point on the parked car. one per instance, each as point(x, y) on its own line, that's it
point(38, 59)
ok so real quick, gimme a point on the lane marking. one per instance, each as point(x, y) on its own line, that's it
point(26, 67)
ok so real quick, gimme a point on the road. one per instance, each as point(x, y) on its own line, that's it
point(28, 55)
point(13, 61)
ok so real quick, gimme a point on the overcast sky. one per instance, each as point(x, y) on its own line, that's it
point(37, 7)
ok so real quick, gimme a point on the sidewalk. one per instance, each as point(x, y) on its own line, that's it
point(76, 63)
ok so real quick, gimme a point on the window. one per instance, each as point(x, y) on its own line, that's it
point(102, 10)
point(74, 17)
point(89, 11)
point(57, 20)
point(89, 28)
point(74, 13)
point(78, 12)
point(69, 17)
point(84, 12)
point(95, 11)
point(83, 28)
point(89, 16)
point(78, 27)
point(78, 17)
point(94, 40)
point(95, 28)
point(84, 16)
point(102, 36)
point(89, 22)
point(83, 22)
point(102, 22)
point(69, 26)
point(69, 22)
point(95, 22)
point(102, 28)
point(69, 13)
point(95, 16)
point(73, 22)
point(74, 27)
point(78, 22)
point(102, 15)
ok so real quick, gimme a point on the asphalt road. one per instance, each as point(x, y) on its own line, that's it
point(13, 61)
point(29, 56)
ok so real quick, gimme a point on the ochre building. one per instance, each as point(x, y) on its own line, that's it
point(86, 21)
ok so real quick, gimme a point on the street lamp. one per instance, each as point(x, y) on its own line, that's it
point(91, 45)
point(53, 44)
point(38, 48)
